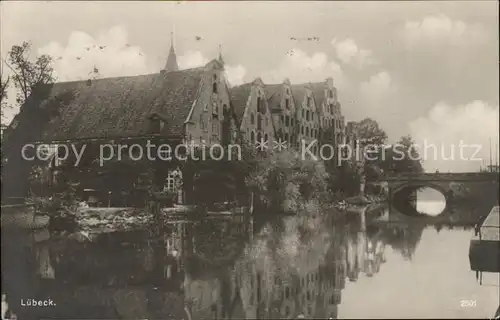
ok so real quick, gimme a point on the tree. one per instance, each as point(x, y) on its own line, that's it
point(4, 84)
point(369, 132)
point(371, 143)
point(219, 180)
point(28, 74)
point(402, 157)
point(285, 183)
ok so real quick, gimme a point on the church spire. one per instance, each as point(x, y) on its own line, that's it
point(220, 55)
point(172, 57)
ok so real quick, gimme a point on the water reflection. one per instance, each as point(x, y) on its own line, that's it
point(325, 265)
point(430, 201)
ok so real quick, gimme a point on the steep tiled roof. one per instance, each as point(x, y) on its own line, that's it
point(274, 92)
point(318, 89)
point(119, 107)
point(239, 98)
point(298, 92)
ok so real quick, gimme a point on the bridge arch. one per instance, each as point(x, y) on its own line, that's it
point(401, 193)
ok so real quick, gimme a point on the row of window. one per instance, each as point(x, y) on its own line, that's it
point(215, 108)
point(312, 133)
point(330, 122)
point(259, 137)
point(259, 120)
point(330, 108)
point(308, 115)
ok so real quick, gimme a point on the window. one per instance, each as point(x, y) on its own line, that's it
point(308, 101)
point(267, 121)
point(302, 129)
point(303, 113)
point(307, 131)
point(214, 87)
point(259, 121)
point(331, 108)
point(266, 137)
point(259, 136)
point(287, 292)
point(215, 128)
point(252, 118)
point(259, 107)
point(330, 93)
point(155, 125)
point(307, 115)
point(171, 181)
point(287, 120)
point(214, 108)
point(287, 103)
point(252, 137)
point(202, 122)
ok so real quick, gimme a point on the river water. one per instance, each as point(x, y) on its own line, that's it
point(321, 265)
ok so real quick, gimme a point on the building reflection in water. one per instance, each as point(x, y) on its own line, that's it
point(289, 283)
point(210, 269)
point(365, 249)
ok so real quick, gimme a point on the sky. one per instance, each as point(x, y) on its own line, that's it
point(428, 69)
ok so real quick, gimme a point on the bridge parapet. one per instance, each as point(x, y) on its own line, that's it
point(466, 176)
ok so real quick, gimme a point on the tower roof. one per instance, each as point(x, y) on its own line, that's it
point(172, 58)
point(221, 60)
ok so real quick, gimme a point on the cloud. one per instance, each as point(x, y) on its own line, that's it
point(377, 88)
point(445, 126)
point(191, 59)
point(349, 53)
point(299, 67)
point(235, 74)
point(440, 29)
point(109, 53)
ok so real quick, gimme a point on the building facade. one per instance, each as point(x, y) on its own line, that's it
point(254, 117)
point(302, 115)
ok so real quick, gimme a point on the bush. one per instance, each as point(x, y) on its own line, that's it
point(285, 183)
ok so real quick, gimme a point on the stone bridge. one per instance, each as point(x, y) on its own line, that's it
point(403, 186)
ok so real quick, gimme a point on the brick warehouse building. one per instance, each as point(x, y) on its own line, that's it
point(171, 106)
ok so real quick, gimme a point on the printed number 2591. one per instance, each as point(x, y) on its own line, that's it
point(467, 303)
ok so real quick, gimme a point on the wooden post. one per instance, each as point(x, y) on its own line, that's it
point(250, 216)
point(390, 200)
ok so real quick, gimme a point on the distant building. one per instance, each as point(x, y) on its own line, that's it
point(493, 168)
point(300, 112)
point(173, 106)
point(252, 111)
